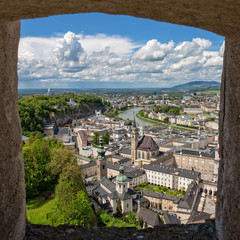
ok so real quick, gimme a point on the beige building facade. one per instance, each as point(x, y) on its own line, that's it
point(162, 201)
point(195, 160)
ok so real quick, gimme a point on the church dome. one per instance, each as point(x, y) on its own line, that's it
point(121, 177)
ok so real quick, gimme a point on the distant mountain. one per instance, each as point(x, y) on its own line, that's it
point(197, 86)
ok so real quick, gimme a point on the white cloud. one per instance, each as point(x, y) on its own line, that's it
point(39, 47)
point(154, 50)
point(101, 58)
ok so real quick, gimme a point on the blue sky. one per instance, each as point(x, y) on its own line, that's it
point(100, 50)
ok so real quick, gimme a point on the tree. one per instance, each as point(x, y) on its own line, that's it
point(45, 160)
point(37, 154)
point(166, 120)
point(72, 206)
point(95, 139)
point(105, 138)
point(118, 213)
point(59, 160)
point(34, 110)
point(140, 220)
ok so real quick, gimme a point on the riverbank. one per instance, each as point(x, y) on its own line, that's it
point(151, 121)
point(130, 114)
point(164, 124)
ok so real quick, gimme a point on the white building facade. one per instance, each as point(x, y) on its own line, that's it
point(170, 177)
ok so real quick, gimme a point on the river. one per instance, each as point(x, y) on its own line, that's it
point(131, 113)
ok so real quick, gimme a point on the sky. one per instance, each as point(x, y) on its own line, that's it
point(94, 50)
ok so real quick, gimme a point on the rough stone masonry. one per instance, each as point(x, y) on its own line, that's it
point(221, 17)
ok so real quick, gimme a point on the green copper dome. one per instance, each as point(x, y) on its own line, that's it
point(121, 177)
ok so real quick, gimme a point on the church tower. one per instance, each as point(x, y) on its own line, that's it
point(121, 181)
point(101, 161)
point(134, 142)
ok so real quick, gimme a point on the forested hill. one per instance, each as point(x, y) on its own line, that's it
point(34, 111)
point(197, 86)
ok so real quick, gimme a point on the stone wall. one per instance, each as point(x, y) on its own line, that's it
point(228, 204)
point(204, 231)
point(221, 17)
point(12, 189)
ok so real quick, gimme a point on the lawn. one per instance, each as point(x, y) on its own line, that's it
point(160, 189)
point(37, 210)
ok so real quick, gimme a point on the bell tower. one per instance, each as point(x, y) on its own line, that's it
point(101, 161)
point(134, 141)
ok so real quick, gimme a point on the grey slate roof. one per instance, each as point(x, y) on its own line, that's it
point(125, 151)
point(175, 199)
point(170, 218)
point(142, 200)
point(87, 165)
point(82, 134)
point(63, 131)
point(123, 196)
point(148, 216)
point(108, 184)
point(187, 201)
point(113, 165)
point(99, 191)
point(147, 143)
point(134, 174)
point(114, 195)
point(124, 160)
point(116, 156)
point(197, 153)
point(172, 170)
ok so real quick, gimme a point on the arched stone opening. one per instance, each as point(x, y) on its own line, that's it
point(219, 17)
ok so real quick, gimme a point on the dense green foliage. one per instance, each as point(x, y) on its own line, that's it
point(167, 109)
point(128, 220)
point(72, 205)
point(141, 114)
point(160, 189)
point(33, 110)
point(112, 114)
point(197, 86)
point(37, 154)
point(46, 163)
point(166, 120)
point(95, 139)
point(105, 138)
point(45, 160)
